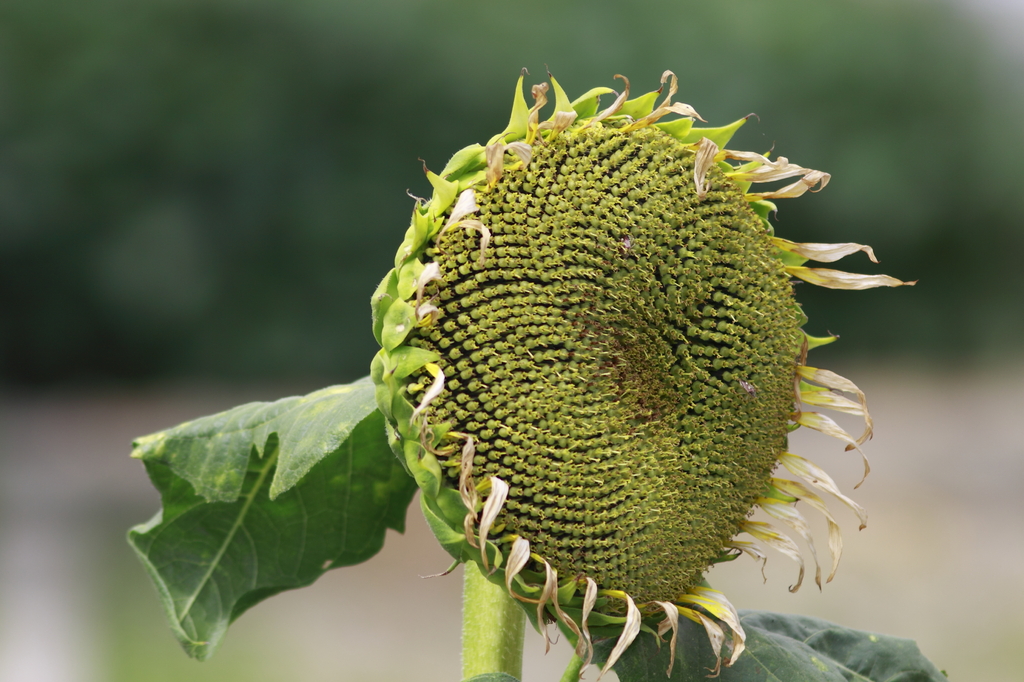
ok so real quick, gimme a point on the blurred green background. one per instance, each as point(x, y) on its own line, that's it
point(197, 198)
point(212, 188)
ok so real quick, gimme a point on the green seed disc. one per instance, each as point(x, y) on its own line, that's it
point(624, 357)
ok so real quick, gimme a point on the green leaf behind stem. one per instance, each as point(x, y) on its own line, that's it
point(780, 648)
point(212, 560)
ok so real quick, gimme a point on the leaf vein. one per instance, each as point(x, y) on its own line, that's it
point(249, 498)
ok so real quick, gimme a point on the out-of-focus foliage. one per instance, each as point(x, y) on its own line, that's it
point(214, 187)
point(779, 646)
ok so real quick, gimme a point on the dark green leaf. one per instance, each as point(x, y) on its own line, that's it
point(210, 561)
point(492, 677)
point(212, 453)
point(780, 648)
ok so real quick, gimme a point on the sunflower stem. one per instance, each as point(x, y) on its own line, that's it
point(493, 628)
point(572, 671)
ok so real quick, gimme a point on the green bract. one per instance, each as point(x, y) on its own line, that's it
point(592, 355)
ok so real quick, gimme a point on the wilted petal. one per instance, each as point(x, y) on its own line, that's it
point(431, 393)
point(492, 507)
point(540, 98)
point(495, 155)
point(629, 632)
point(681, 109)
point(561, 121)
point(671, 622)
point(832, 401)
point(750, 157)
point(589, 599)
point(767, 534)
point(838, 383)
point(546, 595)
point(829, 378)
point(673, 85)
point(431, 273)
point(823, 424)
point(716, 637)
point(706, 151)
point(522, 150)
point(467, 528)
point(720, 607)
point(661, 112)
point(823, 253)
point(837, 279)
point(427, 311)
point(615, 106)
point(791, 516)
point(798, 188)
point(667, 106)
point(752, 548)
point(835, 535)
point(763, 169)
point(816, 476)
point(582, 644)
point(466, 488)
point(517, 558)
point(465, 205)
point(540, 95)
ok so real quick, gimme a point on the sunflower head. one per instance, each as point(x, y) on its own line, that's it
point(591, 356)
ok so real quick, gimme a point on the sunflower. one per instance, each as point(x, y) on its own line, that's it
point(591, 358)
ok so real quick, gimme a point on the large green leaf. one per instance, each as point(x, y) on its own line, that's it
point(212, 453)
point(780, 648)
point(215, 554)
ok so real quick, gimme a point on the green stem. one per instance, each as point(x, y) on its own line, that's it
point(493, 628)
point(572, 671)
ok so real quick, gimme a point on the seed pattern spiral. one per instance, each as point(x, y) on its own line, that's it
point(623, 358)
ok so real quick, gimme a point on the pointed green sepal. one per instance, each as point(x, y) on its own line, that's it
point(382, 392)
point(444, 193)
point(451, 540)
point(402, 409)
point(732, 171)
point(789, 258)
point(586, 104)
point(474, 179)
point(466, 160)
point(762, 208)
point(407, 276)
point(802, 319)
point(428, 476)
point(405, 360)
point(398, 322)
point(383, 297)
point(719, 136)
point(567, 592)
point(773, 493)
point(815, 341)
point(562, 103)
point(679, 129)
point(424, 224)
point(640, 106)
point(520, 117)
point(450, 504)
point(811, 388)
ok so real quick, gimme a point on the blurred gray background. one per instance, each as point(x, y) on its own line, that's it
point(197, 198)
